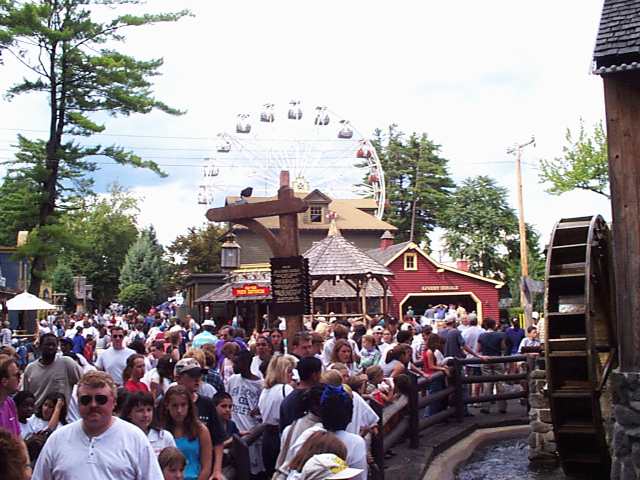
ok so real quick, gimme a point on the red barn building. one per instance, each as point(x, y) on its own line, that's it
point(420, 281)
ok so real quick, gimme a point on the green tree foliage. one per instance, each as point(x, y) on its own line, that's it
point(583, 164)
point(62, 282)
point(413, 170)
point(138, 296)
point(198, 251)
point(143, 265)
point(103, 229)
point(62, 45)
point(18, 207)
point(479, 222)
point(536, 263)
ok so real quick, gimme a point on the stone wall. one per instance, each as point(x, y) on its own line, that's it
point(626, 429)
point(542, 443)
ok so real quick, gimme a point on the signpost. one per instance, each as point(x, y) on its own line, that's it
point(290, 284)
point(285, 243)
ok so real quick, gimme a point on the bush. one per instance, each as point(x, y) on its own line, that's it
point(136, 295)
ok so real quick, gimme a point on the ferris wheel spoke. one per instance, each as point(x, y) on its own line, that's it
point(316, 146)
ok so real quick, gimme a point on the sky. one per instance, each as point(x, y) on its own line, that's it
point(477, 77)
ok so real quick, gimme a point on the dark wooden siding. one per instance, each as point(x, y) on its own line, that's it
point(255, 250)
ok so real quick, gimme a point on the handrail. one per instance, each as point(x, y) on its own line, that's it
point(420, 398)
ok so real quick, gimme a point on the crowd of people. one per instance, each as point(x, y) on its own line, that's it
point(133, 396)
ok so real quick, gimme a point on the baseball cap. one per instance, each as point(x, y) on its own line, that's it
point(378, 329)
point(208, 323)
point(189, 366)
point(327, 466)
point(406, 327)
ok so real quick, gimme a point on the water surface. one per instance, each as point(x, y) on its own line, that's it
point(506, 460)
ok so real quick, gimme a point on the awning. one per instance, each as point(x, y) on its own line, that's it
point(26, 301)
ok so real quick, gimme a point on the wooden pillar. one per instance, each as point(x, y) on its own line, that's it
point(622, 98)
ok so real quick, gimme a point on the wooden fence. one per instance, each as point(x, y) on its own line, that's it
point(411, 423)
point(407, 422)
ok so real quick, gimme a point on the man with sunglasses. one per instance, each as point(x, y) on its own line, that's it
point(114, 359)
point(100, 446)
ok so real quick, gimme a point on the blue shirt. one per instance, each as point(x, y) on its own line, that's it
point(203, 338)
point(191, 451)
point(78, 344)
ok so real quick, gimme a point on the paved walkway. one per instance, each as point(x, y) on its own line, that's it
point(411, 464)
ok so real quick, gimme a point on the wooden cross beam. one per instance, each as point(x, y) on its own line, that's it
point(285, 243)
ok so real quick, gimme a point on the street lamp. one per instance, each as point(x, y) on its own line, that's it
point(230, 253)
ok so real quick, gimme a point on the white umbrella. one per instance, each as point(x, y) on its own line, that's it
point(26, 301)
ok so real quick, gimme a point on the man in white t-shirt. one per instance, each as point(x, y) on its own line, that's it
point(114, 359)
point(101, 446)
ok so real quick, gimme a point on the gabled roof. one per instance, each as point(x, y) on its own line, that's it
point(317, 196)
point(335, 255)
point(349, 215)
point(384, 255)
point(618, 44)
point(389, 254)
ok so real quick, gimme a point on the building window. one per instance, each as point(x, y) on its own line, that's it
point(315, 214)
point(410, 261)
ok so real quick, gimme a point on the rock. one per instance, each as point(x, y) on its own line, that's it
point(621, 444)
point(626, 416)
point(635, 454)
point(540, 427)
point(544, 415)
point(549, 436)
point(538, 374)
point(537, 400)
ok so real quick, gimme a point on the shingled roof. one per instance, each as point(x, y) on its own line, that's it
point(618, 44)
point(350, 215)
point(383, 255)
point(335, 255)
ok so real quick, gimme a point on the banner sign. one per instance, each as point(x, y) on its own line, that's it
point(439, 288)
point(290, 285)
point(250, 290)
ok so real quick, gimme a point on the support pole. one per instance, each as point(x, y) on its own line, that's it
point(522, 232)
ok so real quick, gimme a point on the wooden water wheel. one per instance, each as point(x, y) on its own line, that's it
point(580, 342)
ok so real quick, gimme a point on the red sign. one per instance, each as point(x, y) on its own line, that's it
point(251, 290)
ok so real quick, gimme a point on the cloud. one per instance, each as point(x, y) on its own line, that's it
point(171, 208)
point(476, 76)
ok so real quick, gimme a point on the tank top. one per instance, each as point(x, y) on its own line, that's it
point(191, 450)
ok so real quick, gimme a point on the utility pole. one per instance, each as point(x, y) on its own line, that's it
point(413, 207)
point(524, 257)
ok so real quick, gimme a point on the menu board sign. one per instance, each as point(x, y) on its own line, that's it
point(290, 285)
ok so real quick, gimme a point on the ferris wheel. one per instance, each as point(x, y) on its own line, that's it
point(320, 149)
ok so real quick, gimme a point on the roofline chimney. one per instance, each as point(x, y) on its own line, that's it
point(386, 240)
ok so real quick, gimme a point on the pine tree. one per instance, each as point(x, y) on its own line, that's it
point(143, 266)
point(414, 171)
point(479, 222)
point(63, 47)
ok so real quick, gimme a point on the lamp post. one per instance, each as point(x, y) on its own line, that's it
point(230, 253)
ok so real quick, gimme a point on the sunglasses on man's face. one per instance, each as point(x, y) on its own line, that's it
point(86, 399)
point(117, 336)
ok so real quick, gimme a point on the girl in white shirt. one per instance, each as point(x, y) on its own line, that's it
point(276, 386)
point(138, 409)
point(50, 414)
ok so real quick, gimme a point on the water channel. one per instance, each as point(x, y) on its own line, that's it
point(506, 460)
